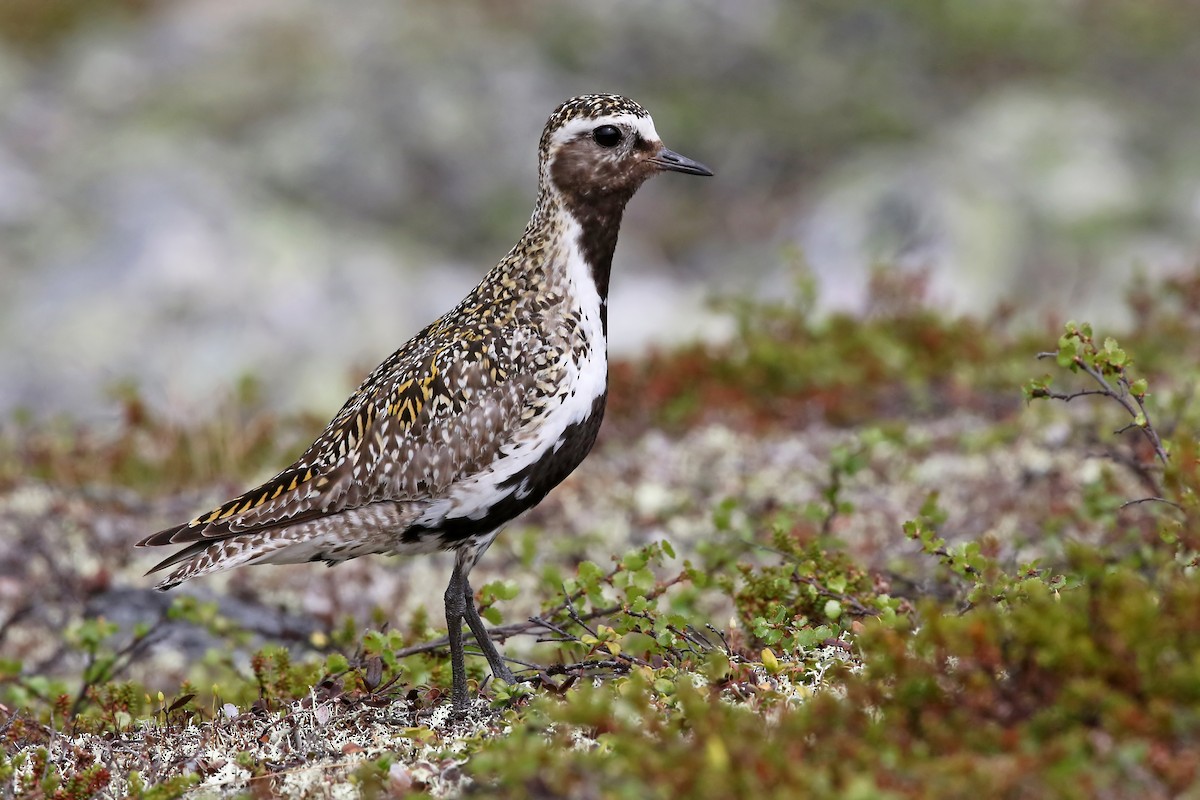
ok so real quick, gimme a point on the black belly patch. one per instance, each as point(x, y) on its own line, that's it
point(525, 489)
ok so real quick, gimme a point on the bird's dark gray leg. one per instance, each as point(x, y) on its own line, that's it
point(454, 615)
point(460, 604)
point(499, 668)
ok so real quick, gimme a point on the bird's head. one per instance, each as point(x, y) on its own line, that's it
point(599, 148)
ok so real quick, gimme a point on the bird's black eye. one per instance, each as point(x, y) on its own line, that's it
point(607, 135)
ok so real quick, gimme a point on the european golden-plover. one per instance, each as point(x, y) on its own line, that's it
point(483, 412)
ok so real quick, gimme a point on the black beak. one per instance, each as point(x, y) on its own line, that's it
point(671, 161)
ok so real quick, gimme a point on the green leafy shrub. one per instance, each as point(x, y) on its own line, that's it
point(1056, 693)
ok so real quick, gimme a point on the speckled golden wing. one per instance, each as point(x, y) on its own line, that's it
point(405, 435)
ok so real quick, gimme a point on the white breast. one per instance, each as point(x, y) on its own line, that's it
point(589, 377)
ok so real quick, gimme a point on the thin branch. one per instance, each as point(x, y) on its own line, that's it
point(721, 636)
point(1069, 396)
point(1141, 500)
point(574, 615)
point(580, 666)
point(563, 635)
point(1122, 394)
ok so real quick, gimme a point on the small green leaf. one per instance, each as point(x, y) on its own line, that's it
point(499, 590)
point(589, 571)
point(833, 609)
point(373, 643)
point(634, 561)
point(418, 734)
point(664, 685)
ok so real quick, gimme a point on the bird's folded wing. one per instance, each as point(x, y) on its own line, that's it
point(407, 434)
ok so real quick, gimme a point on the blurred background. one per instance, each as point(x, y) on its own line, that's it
point(195, 191)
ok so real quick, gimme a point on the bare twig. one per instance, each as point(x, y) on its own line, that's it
point(1141, 500)
point(588, 667)
point(721, 636)
point(574, 615)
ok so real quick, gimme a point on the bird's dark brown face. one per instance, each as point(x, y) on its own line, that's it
point(606, 160)
point(596, 150)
